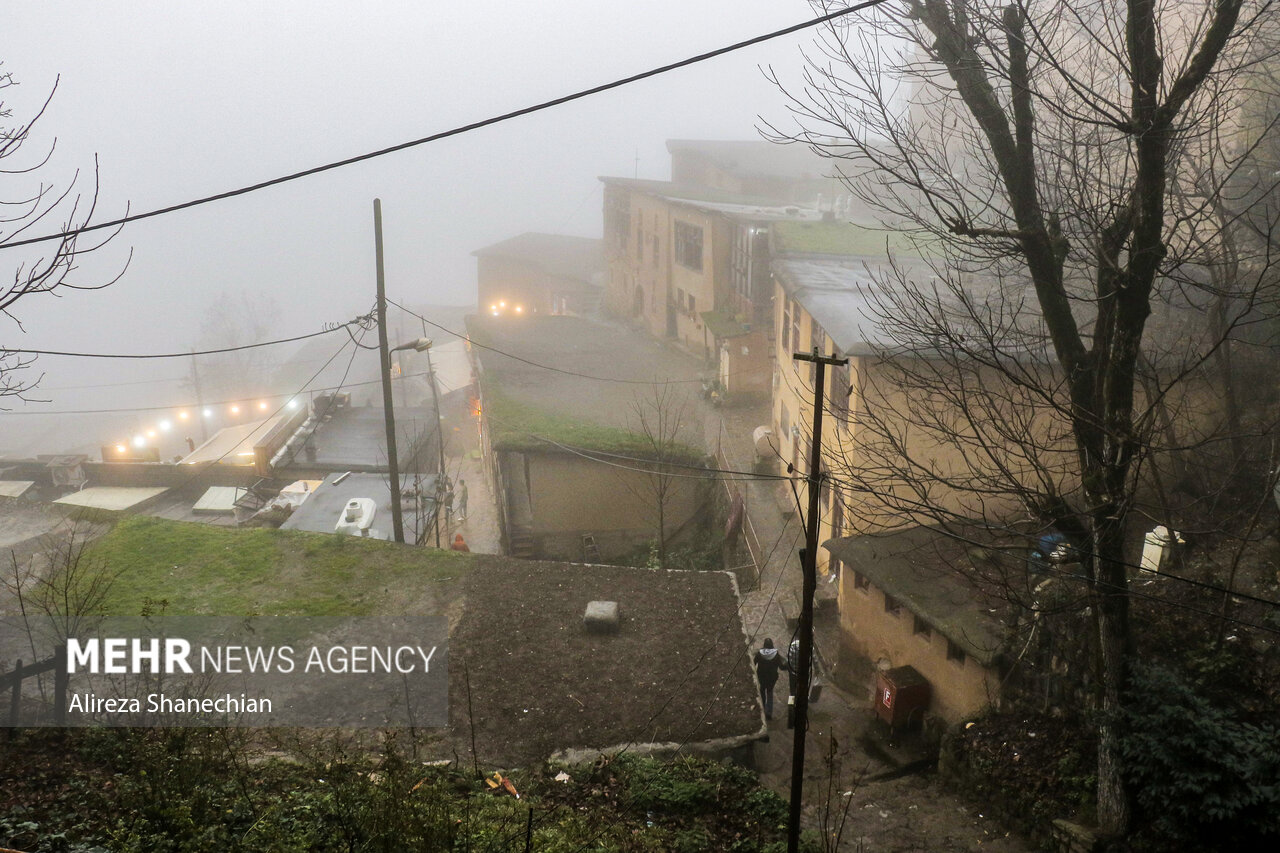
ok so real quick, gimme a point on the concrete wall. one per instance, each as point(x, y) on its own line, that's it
point(960, 690)
point(569, 496)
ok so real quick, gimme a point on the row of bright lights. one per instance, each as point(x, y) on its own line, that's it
point(501, 305)
point(166, 425)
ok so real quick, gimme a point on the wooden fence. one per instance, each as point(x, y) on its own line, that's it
point(13, 681)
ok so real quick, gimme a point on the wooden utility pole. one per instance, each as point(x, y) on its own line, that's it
point(384, 356)
point(809, 566)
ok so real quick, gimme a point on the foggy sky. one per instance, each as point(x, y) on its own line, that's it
point(180, 100)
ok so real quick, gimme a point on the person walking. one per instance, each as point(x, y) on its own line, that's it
point(461, 511)
point(767, 663)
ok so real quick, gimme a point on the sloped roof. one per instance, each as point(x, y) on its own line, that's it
point(923, 568)
point(580, 258)
point(700, 195)
point(840, 294)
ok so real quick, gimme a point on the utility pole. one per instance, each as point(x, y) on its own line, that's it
point(384, 357)
point(195, 386)
point(809, 566)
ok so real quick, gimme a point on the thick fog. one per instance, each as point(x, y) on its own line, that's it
point(179, 101)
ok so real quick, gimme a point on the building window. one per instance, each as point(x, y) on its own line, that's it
point(795, 325)
point(693, 305)
point(892, 606)
point(838, 393)
point(689, 246)
point(639, 241)
point(861, 582)
point(618, 220)
point(654, 240)
point(786, 323)
point(921, 628)
point(955, 654)
point(680, 298)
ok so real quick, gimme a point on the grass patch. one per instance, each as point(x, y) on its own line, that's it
point(284, 583)
point(520, 426)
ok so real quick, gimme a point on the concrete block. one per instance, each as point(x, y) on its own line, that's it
point(601, 617)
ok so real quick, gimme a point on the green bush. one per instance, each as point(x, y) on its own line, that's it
point(1202, 777)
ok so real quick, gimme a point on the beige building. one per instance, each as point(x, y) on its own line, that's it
point(908, 600)
point(569, 458)
point(540, 274)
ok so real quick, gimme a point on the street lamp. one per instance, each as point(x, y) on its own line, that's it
point(417, 345)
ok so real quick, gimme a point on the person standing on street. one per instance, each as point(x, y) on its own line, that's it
point(461, 511)
point(768, 662)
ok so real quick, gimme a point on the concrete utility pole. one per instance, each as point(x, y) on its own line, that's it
point(384, 356)
point(809, 566)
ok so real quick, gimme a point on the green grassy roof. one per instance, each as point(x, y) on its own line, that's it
point(844, 238)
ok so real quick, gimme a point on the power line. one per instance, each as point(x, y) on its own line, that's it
point(538, 365)
point(187, 354)
point(457, 131)
point(207, 403)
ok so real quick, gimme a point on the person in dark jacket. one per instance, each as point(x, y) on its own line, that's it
point(768, 662)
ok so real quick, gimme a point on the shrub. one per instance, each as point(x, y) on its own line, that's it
point(1201, 776)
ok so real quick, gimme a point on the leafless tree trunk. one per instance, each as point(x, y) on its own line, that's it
point(1030, 146)
point(659, 419)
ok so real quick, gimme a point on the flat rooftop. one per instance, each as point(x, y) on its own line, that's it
point(356, 436)
point(112, 497)
point(630, 367)
point(319, 513)
point(677, 671)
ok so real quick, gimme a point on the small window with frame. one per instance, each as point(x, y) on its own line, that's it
point(921, 629)
point(892, 606)
point(861, 582)
point(955, 654)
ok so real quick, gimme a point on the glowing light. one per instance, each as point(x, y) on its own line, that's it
point(139, 441)
point(235, 410)
point(208, 413)
point(519, 309)
point(293, 404)
point(120, 448)
point(495, 312)
point(182, 416)
point(502, 303)
point(263, 405)
point(151, 433)
point(166, 426)
point(493, 308)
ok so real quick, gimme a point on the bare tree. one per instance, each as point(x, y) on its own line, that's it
point(235, 320)
point(1034, 147)
point(28, 203)
point(659, 419)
